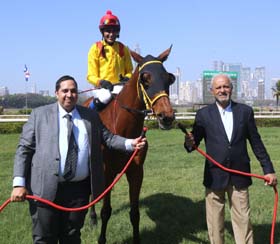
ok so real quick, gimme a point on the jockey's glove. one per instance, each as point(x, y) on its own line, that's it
point(123, 78)
point(106, 84)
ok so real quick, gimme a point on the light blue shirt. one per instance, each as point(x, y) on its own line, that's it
point(227, 119)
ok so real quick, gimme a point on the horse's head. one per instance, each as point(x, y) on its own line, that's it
point(153, 86)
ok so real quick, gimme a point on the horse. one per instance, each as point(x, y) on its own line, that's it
point(146, 91)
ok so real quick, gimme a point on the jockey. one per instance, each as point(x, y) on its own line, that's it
point(109, 61)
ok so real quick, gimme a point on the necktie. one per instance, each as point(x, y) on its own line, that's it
point(72, 153)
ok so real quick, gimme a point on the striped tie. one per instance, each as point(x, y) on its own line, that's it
point(72, 153)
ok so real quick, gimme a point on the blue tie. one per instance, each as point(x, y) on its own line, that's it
point(72, 153)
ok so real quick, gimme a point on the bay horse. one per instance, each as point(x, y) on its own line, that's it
point(147, 90)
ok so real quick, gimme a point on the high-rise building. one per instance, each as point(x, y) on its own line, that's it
point(4, 91)
point(235, 67)
point(261, 90)
point(218, 65)
point(245, 79)
point(174, 88)
point(259, 79)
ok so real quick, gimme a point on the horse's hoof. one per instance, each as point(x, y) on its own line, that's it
point(101, 240)
point(93, 222)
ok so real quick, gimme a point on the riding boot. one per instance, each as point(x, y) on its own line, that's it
point(98, 105)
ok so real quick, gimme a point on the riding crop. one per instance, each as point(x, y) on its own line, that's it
point(183, 129)
point(91, 203)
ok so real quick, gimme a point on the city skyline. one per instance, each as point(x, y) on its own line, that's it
point(53, 38)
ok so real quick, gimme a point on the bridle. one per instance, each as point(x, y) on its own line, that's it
point(141, 90)
point(142, 94)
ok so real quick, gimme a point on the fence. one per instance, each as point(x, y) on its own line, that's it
point(179, 116)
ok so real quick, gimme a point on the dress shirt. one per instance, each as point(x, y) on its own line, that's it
point(81, 137)
point(227, 119)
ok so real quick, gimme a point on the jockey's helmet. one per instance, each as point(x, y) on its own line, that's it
point(109, 21)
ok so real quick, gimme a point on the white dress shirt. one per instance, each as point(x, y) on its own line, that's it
point(227, 119)
point(81, 137)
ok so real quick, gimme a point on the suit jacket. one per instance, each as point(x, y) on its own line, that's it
point(231, 154)
point(37, 157)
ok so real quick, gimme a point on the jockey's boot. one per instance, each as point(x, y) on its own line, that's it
point(98, 105)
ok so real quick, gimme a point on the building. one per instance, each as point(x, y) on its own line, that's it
point(235, 67)
point(174, 88)
point(245, 79)
point(207, 77)
point(44, 93)
point(259, 81)
point(4, 91)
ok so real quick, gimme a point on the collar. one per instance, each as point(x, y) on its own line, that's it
point(227, 109)
point(62, 112)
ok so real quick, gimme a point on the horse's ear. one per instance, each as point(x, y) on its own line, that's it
point(136, 57)
point(162, 57)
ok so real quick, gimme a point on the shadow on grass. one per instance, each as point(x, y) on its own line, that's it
point(179, 218)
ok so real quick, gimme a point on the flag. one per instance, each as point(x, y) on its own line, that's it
point(26, 73)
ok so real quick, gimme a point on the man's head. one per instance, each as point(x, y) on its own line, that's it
point(66, 91)
point(221, 88)
point(110, 27)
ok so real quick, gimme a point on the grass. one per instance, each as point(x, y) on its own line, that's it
point(171, 201)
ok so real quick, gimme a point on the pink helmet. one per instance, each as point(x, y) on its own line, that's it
point(109, 21)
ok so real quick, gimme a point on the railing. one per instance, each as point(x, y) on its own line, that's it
point(13, 118)
point(179, 116)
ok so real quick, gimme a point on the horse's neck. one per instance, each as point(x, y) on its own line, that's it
point(129, 95)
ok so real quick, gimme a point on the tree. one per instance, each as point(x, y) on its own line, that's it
point(276, 93)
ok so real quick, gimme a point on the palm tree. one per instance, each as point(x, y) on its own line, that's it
point(276, 93)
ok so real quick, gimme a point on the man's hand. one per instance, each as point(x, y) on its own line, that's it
point(189, 142)
point(18, 194)
point(139, 143)
point(106, 84)
point(271, 179)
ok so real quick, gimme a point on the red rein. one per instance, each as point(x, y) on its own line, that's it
point(91, 203)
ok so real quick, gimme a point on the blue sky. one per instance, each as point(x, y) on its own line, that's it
point(53, 37)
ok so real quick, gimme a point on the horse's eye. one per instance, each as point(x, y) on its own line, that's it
point(145, 79)
point(172, 78)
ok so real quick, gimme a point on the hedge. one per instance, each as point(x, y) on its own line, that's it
point(16, 127)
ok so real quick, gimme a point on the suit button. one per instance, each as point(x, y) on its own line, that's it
point(229, 147)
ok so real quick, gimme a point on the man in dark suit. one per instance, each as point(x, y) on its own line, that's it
point(41, 163)
point(225, 127)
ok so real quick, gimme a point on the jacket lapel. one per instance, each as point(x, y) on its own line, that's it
point(216, 117)
point(236, 118)
point(87, 123)
point(53, 121)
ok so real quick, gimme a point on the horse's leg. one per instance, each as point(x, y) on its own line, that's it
point(106, 211)
point(93, 216)
point(135, 177)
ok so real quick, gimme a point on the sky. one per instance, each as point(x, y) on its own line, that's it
point(53, 37)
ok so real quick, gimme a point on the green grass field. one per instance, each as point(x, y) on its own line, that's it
point(171, 201)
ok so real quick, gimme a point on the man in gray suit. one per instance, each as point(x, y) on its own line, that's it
point(41, 159)
point(226, 126)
